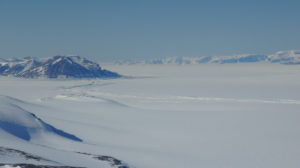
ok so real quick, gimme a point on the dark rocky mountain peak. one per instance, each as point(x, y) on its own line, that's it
point(55, 67)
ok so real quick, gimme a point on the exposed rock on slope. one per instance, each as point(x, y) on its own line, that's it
point(54, 67)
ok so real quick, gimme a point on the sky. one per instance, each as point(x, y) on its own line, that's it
point(144, 29)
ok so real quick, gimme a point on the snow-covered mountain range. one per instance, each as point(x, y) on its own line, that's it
point(290, 57)
point(54, 67)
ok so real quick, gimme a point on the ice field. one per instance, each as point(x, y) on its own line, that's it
point(170, 116)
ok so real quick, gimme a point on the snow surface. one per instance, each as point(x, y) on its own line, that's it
point(8, 166)
point(213, 116)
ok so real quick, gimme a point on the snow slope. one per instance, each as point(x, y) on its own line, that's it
point(23, 124)
point(25, 139)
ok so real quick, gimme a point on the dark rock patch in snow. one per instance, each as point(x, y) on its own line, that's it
point(115, 163)
point(21, 154)
point(34, 166)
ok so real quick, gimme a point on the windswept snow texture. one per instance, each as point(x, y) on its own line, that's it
point(54, 67)
point(23, 124)
point(165, 116)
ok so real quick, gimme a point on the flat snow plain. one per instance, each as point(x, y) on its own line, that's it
point(212, 116)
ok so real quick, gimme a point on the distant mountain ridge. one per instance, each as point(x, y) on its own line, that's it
point(290, 57)
point(54, 67)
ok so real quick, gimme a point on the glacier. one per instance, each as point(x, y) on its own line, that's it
point(216, 116)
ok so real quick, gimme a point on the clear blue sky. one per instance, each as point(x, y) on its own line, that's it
point(125, 29)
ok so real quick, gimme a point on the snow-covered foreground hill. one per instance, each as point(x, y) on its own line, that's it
point(212, 116)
